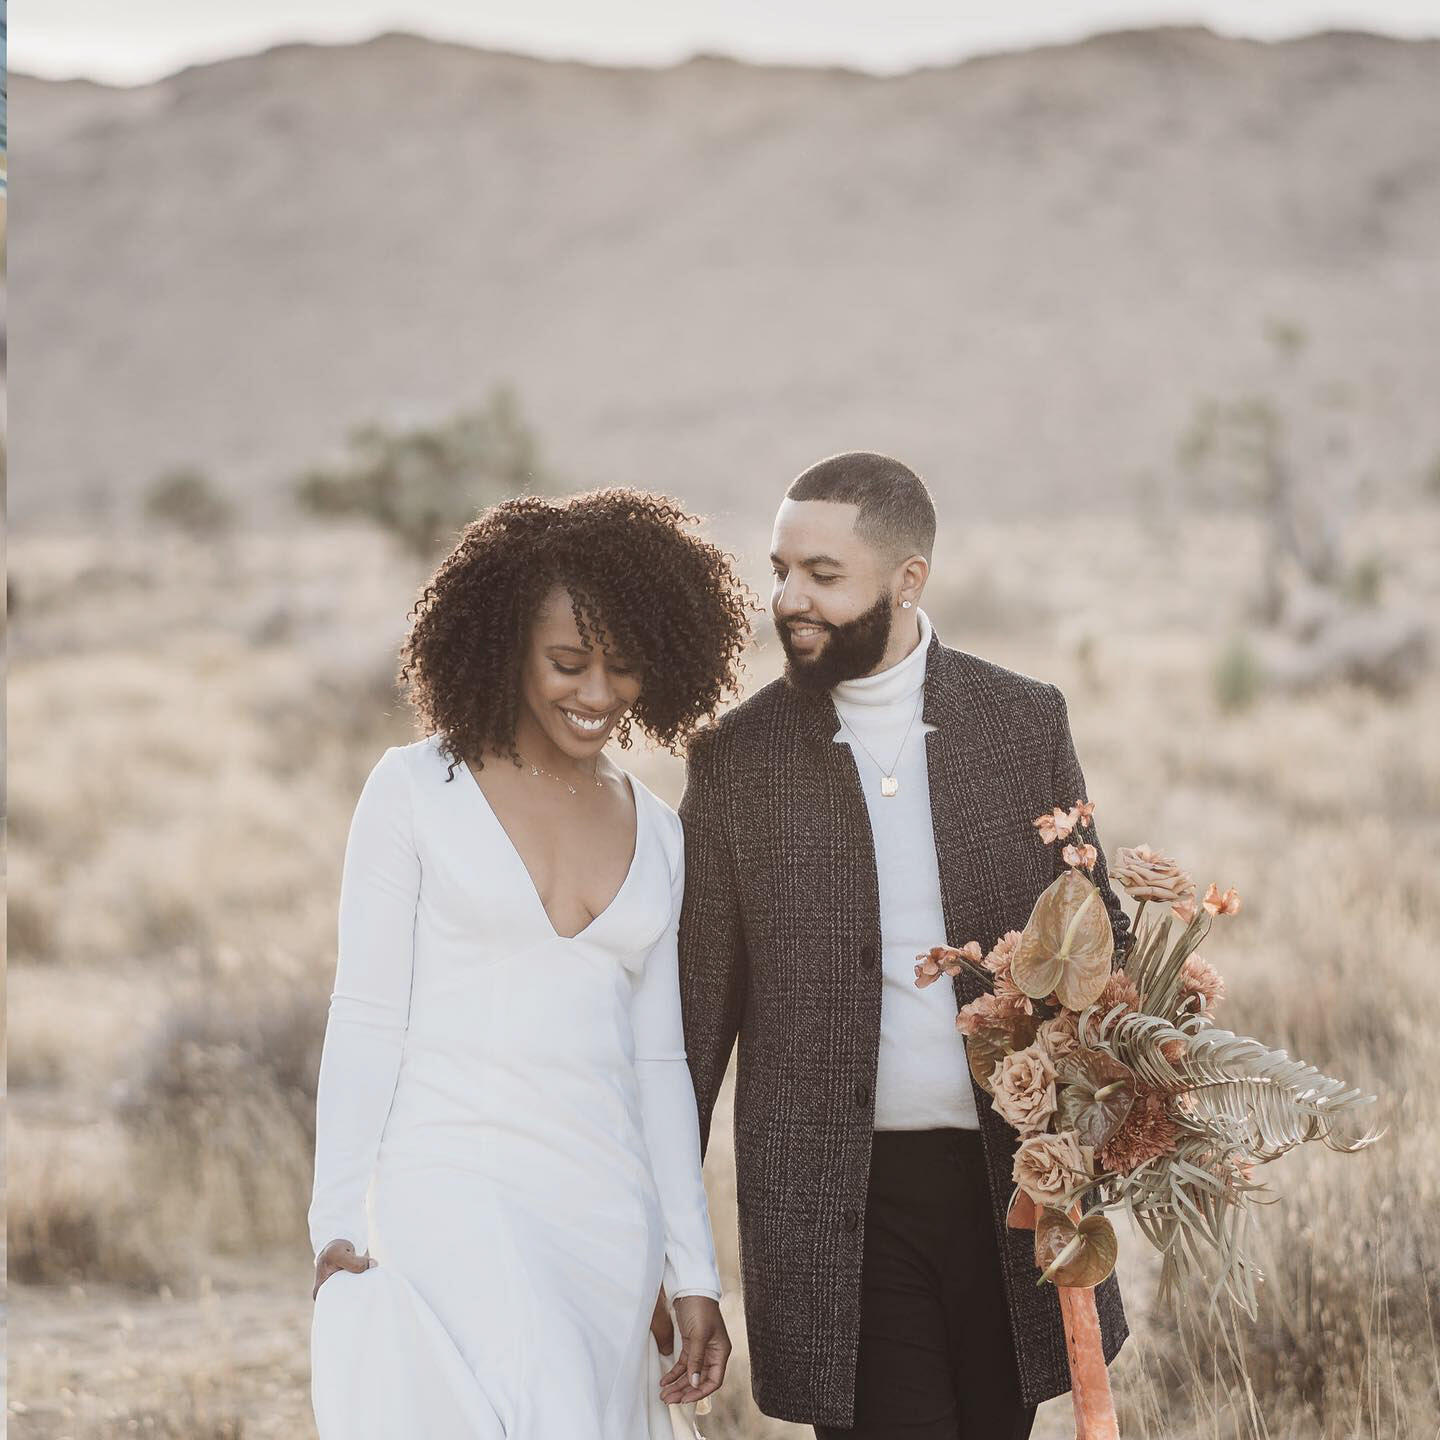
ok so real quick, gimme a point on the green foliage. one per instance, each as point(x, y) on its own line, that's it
point(425, 484)
point(186, 500)
point(1364, 581)
point(1288, 337)
point(1432, 479)
point(1237, 678)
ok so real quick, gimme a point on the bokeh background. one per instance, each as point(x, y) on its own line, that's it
point(1154, 310)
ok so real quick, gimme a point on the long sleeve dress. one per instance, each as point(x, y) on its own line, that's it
point(506, 1123)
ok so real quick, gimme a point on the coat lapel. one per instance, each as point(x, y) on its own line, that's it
point(967, 800)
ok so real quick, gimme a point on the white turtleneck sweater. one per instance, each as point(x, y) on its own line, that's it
point(923, 1080)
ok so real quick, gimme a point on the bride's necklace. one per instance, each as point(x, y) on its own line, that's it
point(889, 783)
point(541, 770)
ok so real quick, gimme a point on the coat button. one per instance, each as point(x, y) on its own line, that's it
point(868, 955)
point(862, 1094)
point(852, 1218)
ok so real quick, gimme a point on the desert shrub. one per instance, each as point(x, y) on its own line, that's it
point(1364, 581)
point(186, 500)
point(36, 1061)
point(424, 484)
point(30, 928)
point(221, 1118)
point(66, 1219)
point(1237, 676)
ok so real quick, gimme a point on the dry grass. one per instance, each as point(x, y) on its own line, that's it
point(193, 731)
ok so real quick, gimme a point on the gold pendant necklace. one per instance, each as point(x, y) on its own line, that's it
point(889, 783)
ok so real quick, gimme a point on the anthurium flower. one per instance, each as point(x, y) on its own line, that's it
point(1075, 1254)
point(1096, 1094)
point(1067, 944)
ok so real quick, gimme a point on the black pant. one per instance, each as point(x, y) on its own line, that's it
point(936, 1358)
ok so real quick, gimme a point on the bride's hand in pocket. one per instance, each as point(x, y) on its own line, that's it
point(704, 1352)
point(338, 1255)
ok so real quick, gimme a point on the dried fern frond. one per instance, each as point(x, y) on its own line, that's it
point(1279, 1102)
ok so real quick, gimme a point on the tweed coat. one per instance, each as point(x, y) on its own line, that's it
point(780, 948)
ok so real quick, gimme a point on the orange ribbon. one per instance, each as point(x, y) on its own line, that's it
point(1089, 1378)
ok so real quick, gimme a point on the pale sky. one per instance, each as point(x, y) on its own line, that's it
point(144, 39)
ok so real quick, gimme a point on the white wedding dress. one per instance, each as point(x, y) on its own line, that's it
point(517, 1108)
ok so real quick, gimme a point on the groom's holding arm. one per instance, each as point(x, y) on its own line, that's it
point(874, 802)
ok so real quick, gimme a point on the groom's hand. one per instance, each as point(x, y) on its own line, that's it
point(660, 1326)
point(704, 1352)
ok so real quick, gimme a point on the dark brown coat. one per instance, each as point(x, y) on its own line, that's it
point(780, 947)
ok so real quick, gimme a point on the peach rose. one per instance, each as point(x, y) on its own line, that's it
point(1023, 1084)
point(1047, 1167)
point(1059, 1035)
point(1148, 875)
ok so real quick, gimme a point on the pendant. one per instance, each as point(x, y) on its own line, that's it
point(889, 786)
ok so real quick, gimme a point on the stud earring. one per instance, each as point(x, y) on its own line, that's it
point(905, 604)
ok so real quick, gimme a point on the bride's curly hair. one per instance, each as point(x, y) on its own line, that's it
point(642, 584)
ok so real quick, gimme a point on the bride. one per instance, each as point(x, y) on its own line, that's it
point(507, 1199)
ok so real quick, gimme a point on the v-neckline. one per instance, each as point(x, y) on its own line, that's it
point(530, 879)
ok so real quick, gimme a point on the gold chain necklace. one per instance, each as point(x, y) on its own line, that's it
point(541, 770)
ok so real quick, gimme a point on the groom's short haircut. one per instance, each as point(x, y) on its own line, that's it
point(897, 515)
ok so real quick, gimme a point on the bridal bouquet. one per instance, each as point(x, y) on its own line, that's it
point(1125, 1092)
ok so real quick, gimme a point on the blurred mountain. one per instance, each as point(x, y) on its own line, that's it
point(1019, 272)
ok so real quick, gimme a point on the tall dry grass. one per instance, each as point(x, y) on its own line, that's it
point(192, 736)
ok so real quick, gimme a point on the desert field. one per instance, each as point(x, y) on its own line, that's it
point(1155, 315)
point(191, 721)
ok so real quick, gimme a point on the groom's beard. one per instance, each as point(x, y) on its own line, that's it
point(851, 650)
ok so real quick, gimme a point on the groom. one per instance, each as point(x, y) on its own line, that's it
point(874, 802)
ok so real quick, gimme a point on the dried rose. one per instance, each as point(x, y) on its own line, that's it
point(1083, 856)
point(1054, 826)
point(1148, 875)
point(1048, 1167)
point(1023, 1085)
point(1059, 1035)
point(1217, 904)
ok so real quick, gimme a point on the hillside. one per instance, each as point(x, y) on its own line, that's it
point(1020, 272)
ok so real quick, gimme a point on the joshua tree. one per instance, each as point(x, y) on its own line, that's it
point(186, 500)
point(424, 484)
